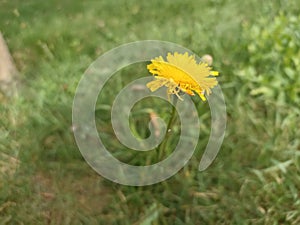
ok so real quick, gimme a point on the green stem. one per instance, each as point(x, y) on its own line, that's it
point(162, 147)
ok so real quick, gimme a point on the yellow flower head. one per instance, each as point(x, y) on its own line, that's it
point(181, 72)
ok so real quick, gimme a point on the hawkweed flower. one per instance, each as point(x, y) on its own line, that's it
point(181, 73)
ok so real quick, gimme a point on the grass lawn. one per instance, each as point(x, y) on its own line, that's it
point(255, 178)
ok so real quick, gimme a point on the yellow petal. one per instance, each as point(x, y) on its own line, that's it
point(157, 83)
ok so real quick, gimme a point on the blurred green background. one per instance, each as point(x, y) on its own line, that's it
point(255, 179)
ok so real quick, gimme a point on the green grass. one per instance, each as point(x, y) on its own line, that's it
point(254, 180)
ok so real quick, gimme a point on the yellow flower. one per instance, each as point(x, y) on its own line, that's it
point(181, 73)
